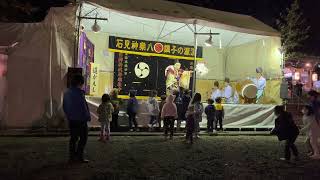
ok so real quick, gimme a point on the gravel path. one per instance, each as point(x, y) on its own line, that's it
point(211, 157)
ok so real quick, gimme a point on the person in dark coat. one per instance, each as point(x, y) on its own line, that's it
point(178, 102)
point(186, 98)
point(116, 103)
point(286, 129)
point(132, 109)
point(182, 105)
point(210, 111)
point(77, 112)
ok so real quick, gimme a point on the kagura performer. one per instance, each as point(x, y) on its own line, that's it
point(176, 77)
point(260, 82)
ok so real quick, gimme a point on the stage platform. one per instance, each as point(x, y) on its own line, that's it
point(238, 117)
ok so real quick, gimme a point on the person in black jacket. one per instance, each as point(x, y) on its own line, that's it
point(77, 112)
point(286, 129)
point(210, 111)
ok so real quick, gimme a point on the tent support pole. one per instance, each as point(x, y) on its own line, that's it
point(50, 80)
point(195, 59)
point(76, 49)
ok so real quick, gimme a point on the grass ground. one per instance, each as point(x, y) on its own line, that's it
point(211, 157)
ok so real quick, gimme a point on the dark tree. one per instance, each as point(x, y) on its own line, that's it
point(294, 30)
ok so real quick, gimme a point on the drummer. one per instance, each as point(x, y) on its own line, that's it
point(260, 82)
point(216, 91)
point(227, 93)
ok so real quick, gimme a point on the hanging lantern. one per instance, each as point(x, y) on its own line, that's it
point(201, 69)
point(297, 76)
point(314, 77)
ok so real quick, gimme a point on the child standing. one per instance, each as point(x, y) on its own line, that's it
point(153, 108)
point(190, 126)
point(132, 108)
point(219, 113)
point(210, 111)
point(286, 129)
point(197, 112)
point(185, 103)
point(116, 102)
point(163, 101)
point(105, 111)
point(169, 114)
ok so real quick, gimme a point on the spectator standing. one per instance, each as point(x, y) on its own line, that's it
point(178, 102)
point(312, 130)
point(116, 102)
point(219, 113)
point(77, 112)
point(169, 114)
point(105, 111)
point(185, 103)
point(210, 111)
point(315, 103)
point(286, 129)
point(307, 119)
point(194, 117)
point(132, 109)
point(153, 108)
point(163, 101)
point(197, 114)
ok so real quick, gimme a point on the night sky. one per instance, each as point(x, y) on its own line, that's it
point(265, 10)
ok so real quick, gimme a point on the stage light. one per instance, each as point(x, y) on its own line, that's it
point(95, 28)
point(209, 42)
point(297, 76)
point(314, 77)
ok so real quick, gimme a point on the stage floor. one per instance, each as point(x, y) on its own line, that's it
point(236, 115)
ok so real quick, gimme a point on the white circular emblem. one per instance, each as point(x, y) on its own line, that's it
point(142, 70)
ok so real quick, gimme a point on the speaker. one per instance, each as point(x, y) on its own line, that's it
point(284, 90)
point(71, 72)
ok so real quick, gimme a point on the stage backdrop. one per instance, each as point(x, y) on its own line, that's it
point(144, 73)
point(142, 65)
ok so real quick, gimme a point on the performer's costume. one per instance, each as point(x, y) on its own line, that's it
point(176, 77)
point(235, 98)
point(228, 94)
point(215, 94)
point(173, 76)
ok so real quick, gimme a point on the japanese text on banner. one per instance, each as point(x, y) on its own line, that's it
point(94, 79)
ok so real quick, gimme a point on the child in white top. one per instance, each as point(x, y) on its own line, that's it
point(105, 111)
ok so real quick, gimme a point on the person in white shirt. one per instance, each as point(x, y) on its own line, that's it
point(228, 91)
point(216, 91)
point(260, 82)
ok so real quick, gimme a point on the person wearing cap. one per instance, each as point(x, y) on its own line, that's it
point(227, 91)
point(260, 82)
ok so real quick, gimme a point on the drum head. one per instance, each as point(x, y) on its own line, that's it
point(249, 91)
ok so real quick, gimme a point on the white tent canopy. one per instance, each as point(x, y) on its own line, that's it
point(243, 43)
point(160, 30)
point(177, 12)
